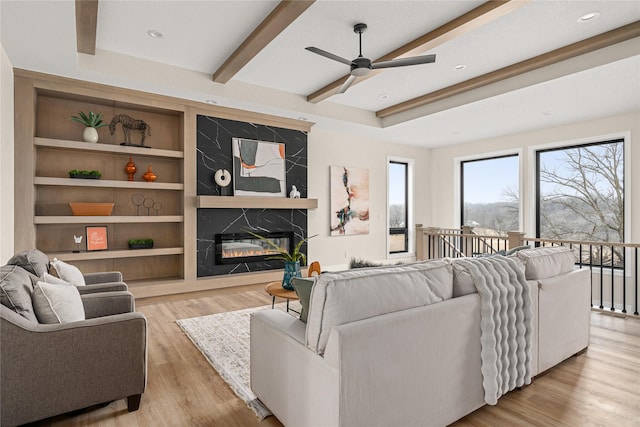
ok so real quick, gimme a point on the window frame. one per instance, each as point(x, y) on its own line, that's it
point(409, 200)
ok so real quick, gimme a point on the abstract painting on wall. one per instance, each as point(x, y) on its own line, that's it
point(258, 168)
point(349, 201)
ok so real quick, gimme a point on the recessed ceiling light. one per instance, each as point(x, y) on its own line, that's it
point(383, 96)
point(302, 118)
point(459, 67)
point(546, 113)
point(588, 17)
point(211, 101)
point(155, 34)
point(455, 133)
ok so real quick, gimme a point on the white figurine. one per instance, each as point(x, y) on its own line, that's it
point(295, 194)
point(77, 239)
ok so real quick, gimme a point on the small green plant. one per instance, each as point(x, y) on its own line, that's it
point(283, 254)
point(76, 172)
point(93, 120)
point(141, 242)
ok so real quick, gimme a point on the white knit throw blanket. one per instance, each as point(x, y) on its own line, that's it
point(506, 324)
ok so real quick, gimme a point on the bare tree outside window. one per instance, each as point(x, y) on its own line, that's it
point(581, 195)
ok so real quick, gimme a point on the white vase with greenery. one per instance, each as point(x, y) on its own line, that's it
point(92, 122)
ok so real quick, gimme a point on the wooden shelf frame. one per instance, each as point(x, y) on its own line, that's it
point(115, 254)
point(59, 219)
point(106, 148)
point(105, 183)
point(217, 202)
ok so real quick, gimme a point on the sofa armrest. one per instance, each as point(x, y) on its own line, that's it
point(102, 277)
point(103, 287)
point(107, 304)
point(84, 363)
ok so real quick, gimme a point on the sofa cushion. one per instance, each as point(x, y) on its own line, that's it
point(463, 283)
point(67, 272)
point(541, 263)
point(33, 260)
point(16, 285)
point(339, 298)
point(303, 289)
point(57, 303)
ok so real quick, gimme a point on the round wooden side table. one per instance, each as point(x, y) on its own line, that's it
point(275, 289)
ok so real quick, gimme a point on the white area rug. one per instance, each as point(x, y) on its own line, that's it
point(223, 339)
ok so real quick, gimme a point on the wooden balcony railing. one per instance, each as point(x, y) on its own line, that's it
point(613, 266)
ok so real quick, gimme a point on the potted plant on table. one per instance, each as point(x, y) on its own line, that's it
point(92, 122)
point(291, 259)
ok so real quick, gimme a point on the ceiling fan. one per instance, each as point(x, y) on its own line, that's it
point(362, 66)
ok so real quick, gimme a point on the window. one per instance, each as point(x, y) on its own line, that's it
point(398, 194)
point(490, 194)
point(580, 194)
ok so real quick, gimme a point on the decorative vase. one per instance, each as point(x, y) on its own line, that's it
point(291, 270)
point(130, 169)
point(149, 176)
point(90, 134)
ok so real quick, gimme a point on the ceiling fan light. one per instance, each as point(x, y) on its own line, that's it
point(359, 72)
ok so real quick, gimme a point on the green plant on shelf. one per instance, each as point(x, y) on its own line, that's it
point(93, 120)
point(141, 242)
point(75, 173)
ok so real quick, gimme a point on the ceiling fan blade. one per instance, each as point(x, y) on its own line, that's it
point(346, 84)
point(415, 60)
point(328, 55)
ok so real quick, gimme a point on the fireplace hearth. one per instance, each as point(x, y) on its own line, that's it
point(234, 248)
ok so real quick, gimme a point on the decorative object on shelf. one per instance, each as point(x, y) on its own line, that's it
point(294, 194)
point(128, 124)
point(149, 176)
point(291, 259)
point(130, 169)
point(91, 122)
point(82, 174)
point(140, 243)
point(78, 241)
point(222, 178)
point(258, 168)
point(349, 201)
point(97, 238)
point(140, 201)
point(91, 209)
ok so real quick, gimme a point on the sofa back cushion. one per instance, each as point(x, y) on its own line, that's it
point(16, 285)
point(541, 263)
point(340, 298)
point(33, 260)
point(463, 282)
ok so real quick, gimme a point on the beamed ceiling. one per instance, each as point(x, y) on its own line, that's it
point(521, 65)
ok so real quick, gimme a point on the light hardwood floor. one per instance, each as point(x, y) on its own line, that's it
point(598, 388)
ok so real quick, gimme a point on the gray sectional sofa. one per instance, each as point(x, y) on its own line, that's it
point(402, 345)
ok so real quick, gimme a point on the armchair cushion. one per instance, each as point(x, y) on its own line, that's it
point(102, 277)
point(33, 260)
point(67, 272)
point(107, 304)
point(103, 287)
point(57, 303)
point(16, 285)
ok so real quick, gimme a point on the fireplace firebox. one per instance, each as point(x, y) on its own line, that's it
point(235, 248)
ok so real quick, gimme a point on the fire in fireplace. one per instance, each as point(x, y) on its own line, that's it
point(234, 248)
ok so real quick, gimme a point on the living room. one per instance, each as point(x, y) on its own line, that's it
point(532, 115)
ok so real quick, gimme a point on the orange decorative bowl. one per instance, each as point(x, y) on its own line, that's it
point(91, 209)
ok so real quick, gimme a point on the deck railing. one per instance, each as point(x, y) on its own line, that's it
point(613, 266)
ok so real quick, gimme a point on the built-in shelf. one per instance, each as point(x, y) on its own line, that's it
point(255, 202)
point(105, 183)
point(124, 253)
point(106, 148)
point(106, 219)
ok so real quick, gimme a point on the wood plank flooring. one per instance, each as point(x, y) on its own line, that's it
point(598, 388)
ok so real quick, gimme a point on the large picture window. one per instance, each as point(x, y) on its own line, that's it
point(580, 194)
point(399, 209)
point(490, 194)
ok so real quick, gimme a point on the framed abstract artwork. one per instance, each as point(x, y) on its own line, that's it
point(349, 200)
point(258, 168)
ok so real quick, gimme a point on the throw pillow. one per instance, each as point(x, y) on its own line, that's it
point(57, 304)
point(48, 278)
point(33, 260)
point(16, 285)
point(303, 289)
point(67, 272)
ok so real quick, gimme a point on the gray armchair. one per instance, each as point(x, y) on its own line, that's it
point(52, 369)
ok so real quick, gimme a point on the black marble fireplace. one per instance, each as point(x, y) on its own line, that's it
point(232, 248)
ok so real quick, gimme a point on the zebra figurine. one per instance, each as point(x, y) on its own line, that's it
point(128, 124)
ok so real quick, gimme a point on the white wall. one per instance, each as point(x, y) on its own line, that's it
point(6, 158)
point(327, 149)
point(443, 160)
